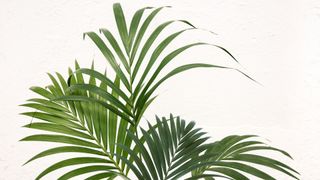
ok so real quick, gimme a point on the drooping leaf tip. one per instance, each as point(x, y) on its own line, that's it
point(22, 114)
point(32, 88)
point(149, 7)
point(249, 77)
point(92, 64)
point(188, 23)
point(48, 74)
point(116, 4)
point(84, 35)
point(23, 139)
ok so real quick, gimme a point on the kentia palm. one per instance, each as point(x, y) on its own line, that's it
point(99, 118)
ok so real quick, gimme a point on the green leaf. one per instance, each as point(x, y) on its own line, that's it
point(254, 148)
point(121, 24)
point(155, 152)
point(158, 50)
point(104, 104)
point(42, 92)
point(50, 104)
point(84, 170)
point(265, 161)
point(103, 79)
point(56, 85)
point(66, 149)
point(121, 136)
point(134, 25)
point(208, 177)
point(141, 33)
point(245, 168)
point(50, 110)
point(113, 121)
point(102, 94)
point(137, 161)
point(145, 155)
point(109, 56)
point(229, 172)
point(60, 139)
point(53, 119)
point(101, 176)
point(116, 48)
point(58, 129)
point(70, 162)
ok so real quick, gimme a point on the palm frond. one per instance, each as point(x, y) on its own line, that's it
point(87, 127)
point(132, 61)
point(173, 148)
point(169, 145)
point(235, 155)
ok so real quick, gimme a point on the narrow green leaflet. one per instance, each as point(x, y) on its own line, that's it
point(103, 103)
point(116, 47)
point(141, 33)
point(104, 79)
point(84, 170)
point(60, 139)
point(66, 149)
point(134, 25)
point(121, 24)
point(58, 129)
point(70, 162)
point(110, 57)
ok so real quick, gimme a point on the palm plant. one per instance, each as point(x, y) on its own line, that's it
point(97, 117)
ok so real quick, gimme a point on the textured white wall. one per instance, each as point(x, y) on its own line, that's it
point(277, 43)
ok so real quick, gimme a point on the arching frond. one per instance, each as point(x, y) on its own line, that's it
point(87, 127)
point(174, 148)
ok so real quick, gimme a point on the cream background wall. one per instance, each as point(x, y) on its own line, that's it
point(276, 41)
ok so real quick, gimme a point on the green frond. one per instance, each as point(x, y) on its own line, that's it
point(165, 150)
point(236, 154)
point(173, 148)
point(80, 120)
